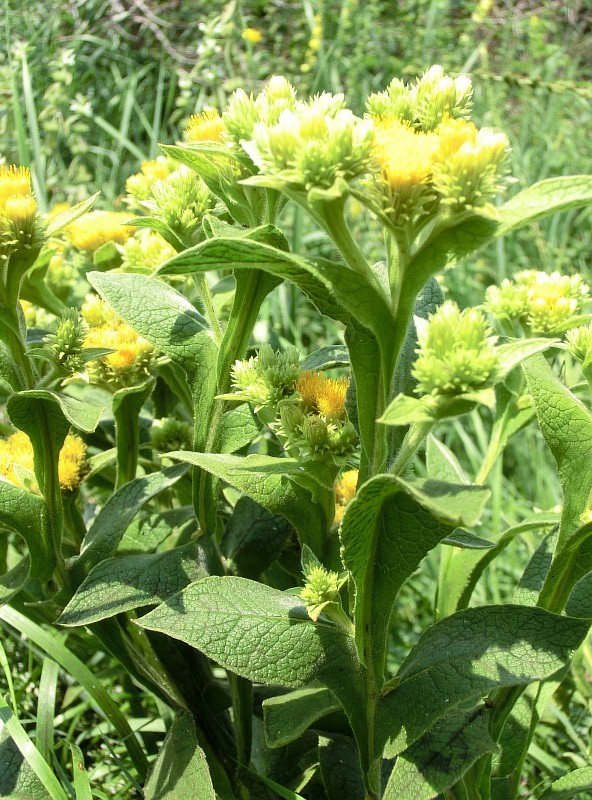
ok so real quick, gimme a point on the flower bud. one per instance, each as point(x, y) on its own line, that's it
point(180, 201)
point(171, 434)
point(96, 228)
point(145, 252)
point(67, 340)
point(456, 352)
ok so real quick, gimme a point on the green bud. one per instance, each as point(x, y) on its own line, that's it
point(321, 586)
point(456, 352)
point(145, 253)
point(170, 434)
point(66, 341)
point(180, 201)
point(267, 378)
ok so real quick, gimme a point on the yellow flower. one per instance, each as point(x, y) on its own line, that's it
point(132, 355)
point(18, 208)
point(205, 127)
point(139, 186)
point(345, 490)
point(405, 156)
point(92, 230)
point(325, 396)
point(14, 182)
point(252, 35)
point(17, 451)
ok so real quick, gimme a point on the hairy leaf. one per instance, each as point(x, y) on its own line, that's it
point(287, 716)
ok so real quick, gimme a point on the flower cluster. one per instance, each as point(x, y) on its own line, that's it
point(317, 426)
point(543, 304)
point(429, 154)
point(16, 462)
point(132, 356)
point(145, 252)
point(456, 353)
point(305, 409)
point(139, 186)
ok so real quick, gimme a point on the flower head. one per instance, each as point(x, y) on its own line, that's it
point(16, 461)
point(139, 186)
point(267, 378)
point(96, 228)
point(169, 433)
point(19, 227)
point(181, 201)
point(206, 127)
point(345, 490)
point(322, 395)
point(251, 35)
point(244, 111)
point(145, 252)
point(456, 352)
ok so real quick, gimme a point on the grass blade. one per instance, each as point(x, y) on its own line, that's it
point(30, 753)
point(55, 648)
point(80, 775)
point(46, 707)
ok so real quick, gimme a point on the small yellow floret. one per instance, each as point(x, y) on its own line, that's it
point(92, 230)
point(205, 127)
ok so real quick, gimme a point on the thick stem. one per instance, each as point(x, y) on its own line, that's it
point(414, 437)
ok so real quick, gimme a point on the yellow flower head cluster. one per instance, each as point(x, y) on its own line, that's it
point(545, 304)
point(345, 490)
point(16, 461)
point(132, 355)
point(205, 127)
point(139, 186)
point(92, 230)
point(18, 207)
point(145, 252)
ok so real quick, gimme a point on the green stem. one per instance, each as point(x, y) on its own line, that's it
point(241, 691)
point(206, 296)
point(413, 439)
point(73, 521)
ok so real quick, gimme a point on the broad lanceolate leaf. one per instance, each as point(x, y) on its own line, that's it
point(387, 530)
point(265, 636)
point(146, 532)
point(442, 464)
point(513, 353)
point(181, 769)
point(441, 757)
point(253, 538)
point(287, 716)
point(238, 427)
point(467, 655)
point(23, 512)
point(127, 582)
point(340, 768)
point(104, 535)
point(267, 481)
point(545, 198)
point(579, 603)
point(570, 785)
point(536, 571)
point(567, 427)
point(334, 355)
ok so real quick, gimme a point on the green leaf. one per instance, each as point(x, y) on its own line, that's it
point(238, 428)
point(403, 410)
point(266, 636)
point(22, 405)
point(388, 528)
point(442, 464)
point(56, 223)
point(148, 531)
point(448, 243)
point(111, 522)
point(13, 581)
point(22, 511)
point(513, 353)
point(340, 768)
point(253, 538)
point(128, 582)
point(287, 716)
point(579, 603)
point(181, 769)
point(570, 785)
point(466, 656)
point(461, 569)
point(441, 757)
point(266, 480)
point(106, 257)
point(17, 779)
point(567, 427)
point(544, 198)
point(80, 777)
point(467, 540)
point(533, 578)
point(329, 357)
